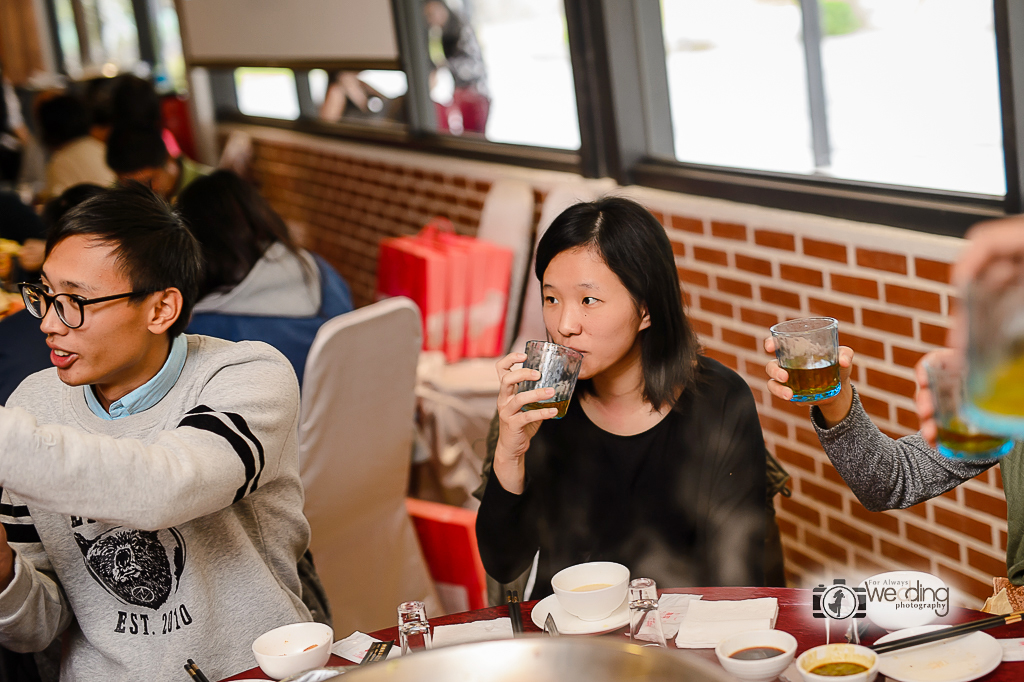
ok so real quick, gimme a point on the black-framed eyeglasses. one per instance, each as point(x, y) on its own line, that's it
point(70, 307)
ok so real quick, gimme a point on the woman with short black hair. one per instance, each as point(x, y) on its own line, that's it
point(659, 463)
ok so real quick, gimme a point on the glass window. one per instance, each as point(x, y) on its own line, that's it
point(502, 71)
point(67, 35)
point(267, 92)
point(911, 89)
point(170, 71)
point(369, 95)
point(113, 36)
point(913, 93)
point(737, 83)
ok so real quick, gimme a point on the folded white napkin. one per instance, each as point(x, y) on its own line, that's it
point(1013, 649)
point(672, 608)
point(354, 647)
point(477, 631)
point(708, 622)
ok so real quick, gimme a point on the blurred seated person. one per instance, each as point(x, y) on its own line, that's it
point(19, 223)
point(140, 154)
point(76, 157)
point(659, 463)
point(257, 284)
point(23, 349)
point(13, 133)
point(471, 102)
point(350, 97)
point(127, 102)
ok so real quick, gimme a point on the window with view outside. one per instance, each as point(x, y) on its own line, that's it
point(359, 96)
point(268, 92)
point(113, 36)
point(170, 68)
point(911, 89)
point(502, 71)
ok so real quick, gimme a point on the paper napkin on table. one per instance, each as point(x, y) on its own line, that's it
point(1013, 649)
point(354, 647)
point(477, 631)
point(672, 608)
point(708, 622)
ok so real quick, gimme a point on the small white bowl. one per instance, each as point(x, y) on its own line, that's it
point(838, 653)
point(592, 604)
point(889, 605)
point(292, 649)
point(756, 670)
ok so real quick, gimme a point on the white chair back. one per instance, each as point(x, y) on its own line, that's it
point(507, 220)
point(355, 446)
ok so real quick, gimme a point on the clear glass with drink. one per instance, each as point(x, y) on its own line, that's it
point(559, 367)
point(644, 613)
point(413, 628)
point(958, 437)
point(995, 350)
point(808, 349)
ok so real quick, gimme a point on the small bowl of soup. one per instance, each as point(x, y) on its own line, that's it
point(591, 591)
point(838, 663)
point(756, 656)
point(292, 649)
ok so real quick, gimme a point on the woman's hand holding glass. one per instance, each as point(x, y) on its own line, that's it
point(517, 427)
point(833, 409)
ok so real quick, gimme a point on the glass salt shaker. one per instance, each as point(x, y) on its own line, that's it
point(644, 613)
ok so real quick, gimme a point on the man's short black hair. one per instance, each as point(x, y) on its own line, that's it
point(132, 149)
point(154, 248)
point(62, 119)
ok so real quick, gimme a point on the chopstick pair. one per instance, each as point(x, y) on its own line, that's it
point(515, 614)
point(946, 633)
point(195, 672)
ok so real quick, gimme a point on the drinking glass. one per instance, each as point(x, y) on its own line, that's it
point(958, 438)
point(808, 349)
point(559, 367)
point(413, 628)
point(995, 349)
point(643, 611)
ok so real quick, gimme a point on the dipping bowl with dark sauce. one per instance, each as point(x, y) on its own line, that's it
point(757, 656)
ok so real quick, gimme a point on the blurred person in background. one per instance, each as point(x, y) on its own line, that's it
point(460, 53)
point(659, 463)
point(257, 284)
point(76, 157)
point(23, 349)
point(19, 223)
point(13, 133)
point(140, 154)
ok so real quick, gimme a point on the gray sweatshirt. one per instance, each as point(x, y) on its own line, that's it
point(170, 534)
point(895, 474)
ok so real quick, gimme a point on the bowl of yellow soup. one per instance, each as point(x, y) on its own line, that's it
point(591, 591)
point(838, 663)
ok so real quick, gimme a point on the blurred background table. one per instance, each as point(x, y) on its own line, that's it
point(794, 617)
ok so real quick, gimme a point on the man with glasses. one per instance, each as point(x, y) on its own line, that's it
point(151, 504)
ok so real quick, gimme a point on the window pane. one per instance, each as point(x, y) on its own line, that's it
point(267, 92)
point(113, 39)
point(913, 93)
point(67, 35)
point(503, 71)
point(170, 68)
point(737, 83)
point(365, 96)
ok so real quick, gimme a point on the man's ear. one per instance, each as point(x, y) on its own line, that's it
point(164, 309)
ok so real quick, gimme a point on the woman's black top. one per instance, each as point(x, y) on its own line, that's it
point(682, 503)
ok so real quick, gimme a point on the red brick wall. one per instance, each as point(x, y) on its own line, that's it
point(742, 268)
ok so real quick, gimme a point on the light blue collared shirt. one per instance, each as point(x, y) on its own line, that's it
point(148, 394)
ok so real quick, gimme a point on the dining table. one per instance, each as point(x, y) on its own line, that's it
point(795, 617)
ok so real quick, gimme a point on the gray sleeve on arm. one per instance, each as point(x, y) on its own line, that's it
point(885, 473)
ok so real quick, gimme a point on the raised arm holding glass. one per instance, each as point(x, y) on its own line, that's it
point(659, 462)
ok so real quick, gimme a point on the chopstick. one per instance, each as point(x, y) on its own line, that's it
point(195, 672)
point(945, 633)
point(515, 614)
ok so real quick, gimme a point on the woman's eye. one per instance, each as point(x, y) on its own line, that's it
point(550, 300)
point(589, 300)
